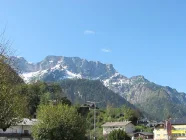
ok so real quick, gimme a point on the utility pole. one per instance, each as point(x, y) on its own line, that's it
point(94, 120)
point(94, 103)
point(168, 128)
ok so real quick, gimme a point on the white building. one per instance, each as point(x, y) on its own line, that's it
point(22, 131)
point(127, 126)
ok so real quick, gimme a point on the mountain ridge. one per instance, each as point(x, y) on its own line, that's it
point(137, 90)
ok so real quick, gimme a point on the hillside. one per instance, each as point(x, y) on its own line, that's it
point(156, 101)
point(82, 90)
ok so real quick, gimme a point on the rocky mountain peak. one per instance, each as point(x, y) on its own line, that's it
point(139, 79)
point(73, 66)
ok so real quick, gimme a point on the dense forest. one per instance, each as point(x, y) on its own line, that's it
point(79, 91)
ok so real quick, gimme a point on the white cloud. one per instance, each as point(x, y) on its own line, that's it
point(106, 50)
point(89, 32)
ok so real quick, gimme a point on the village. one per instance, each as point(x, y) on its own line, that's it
point(172, 129)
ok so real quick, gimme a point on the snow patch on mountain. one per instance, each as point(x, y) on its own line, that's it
point(58, 66)
point(28, 76)
point(39, 74)
point(116, 79)
point(73, 75)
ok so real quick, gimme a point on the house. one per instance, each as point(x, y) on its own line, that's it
point(152, 124)
point(146, 122)
point(176, 130)
point(127, 126)
point(21, 131)
point(142, 121)
point(143, 135)
point(160, 133)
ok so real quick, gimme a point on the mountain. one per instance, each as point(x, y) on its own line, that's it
point(156, 101)
point(83, 90)
point(54, 68)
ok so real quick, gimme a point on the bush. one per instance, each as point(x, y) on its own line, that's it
point(118, 135)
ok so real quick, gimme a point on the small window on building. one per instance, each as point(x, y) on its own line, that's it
point(26, 132)
point(158, 134)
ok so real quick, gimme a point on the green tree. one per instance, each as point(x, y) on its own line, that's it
point(12, 104)
point(118, 135)
point(129, 114)
point(45, 98)
point(13, 107)
point(59, 122)
point(42, 93)
point(142, 128)
point(139, 138)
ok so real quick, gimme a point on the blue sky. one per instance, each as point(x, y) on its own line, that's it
point(139, 37)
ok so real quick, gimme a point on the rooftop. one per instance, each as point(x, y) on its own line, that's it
point(175, 121)
point(27, 121)
point(116, 123)
point(178, 121)
point(144, 133)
